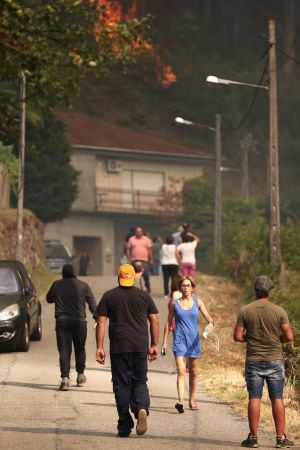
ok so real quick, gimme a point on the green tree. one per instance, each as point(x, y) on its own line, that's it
point(10, 162)
point(56, 44)
point(50, 180)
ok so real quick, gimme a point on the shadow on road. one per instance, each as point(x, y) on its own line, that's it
point(77, 432)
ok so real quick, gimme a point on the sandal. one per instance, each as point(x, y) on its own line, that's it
point(179, 407)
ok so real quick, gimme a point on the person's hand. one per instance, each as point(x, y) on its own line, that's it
point(210, 327)
point(163, 350)
point(153, 353)
point(100, 356)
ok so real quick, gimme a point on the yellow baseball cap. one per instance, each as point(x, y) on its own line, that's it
point(126, 275)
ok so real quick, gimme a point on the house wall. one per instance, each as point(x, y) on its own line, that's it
point(106, 230)
point(170, 170)
point(85, 163)
point(94, 174)
point(100, 229)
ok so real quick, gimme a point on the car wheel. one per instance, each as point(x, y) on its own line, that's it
point(24, 341)
point(37, 332)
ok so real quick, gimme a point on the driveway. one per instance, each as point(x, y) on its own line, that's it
point(35, 415)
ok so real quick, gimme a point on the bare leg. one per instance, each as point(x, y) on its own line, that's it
point(278, 415)
point(253, 415)
point(193, 372)
point(180, 365)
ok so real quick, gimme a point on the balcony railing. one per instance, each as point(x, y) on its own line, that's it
point(128, 200)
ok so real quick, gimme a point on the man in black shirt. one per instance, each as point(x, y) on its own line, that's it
point(70, 296)
point(128, 309)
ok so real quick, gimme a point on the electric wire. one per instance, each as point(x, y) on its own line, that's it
point(238, 125)
point(288, 55)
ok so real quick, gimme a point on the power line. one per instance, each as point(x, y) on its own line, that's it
point(287, 55)
point(252, 101)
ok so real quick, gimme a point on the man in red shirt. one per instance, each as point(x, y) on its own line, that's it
point(139, 249)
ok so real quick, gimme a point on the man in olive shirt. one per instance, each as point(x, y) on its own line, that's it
point(264, 327)
point(129, 309)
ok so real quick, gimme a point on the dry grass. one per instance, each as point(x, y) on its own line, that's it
point(223, 375)
point(43, 279)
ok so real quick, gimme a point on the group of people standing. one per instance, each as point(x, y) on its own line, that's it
point(176, 255)
point(129, 309)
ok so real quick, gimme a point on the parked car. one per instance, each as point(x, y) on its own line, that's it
point(20, 308)
point(57, 254)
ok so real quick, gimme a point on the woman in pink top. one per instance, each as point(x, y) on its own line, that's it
point(186, 254)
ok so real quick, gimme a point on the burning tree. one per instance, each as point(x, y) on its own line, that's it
point(57, 43)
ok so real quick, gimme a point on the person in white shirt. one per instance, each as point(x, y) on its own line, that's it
point(186, 254)
point(169, 263)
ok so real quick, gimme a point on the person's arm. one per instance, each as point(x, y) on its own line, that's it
point(90, 299)
point(154, 334)
point(204, 312)
point(100, 333)
point(287, 333)
point(239, 334)
point(193, 236)
point(128, 249)
point(168, 327)
point(50, 296)
point(150, 255)
point(178, 255)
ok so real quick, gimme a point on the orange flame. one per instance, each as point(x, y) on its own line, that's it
point(113, 15)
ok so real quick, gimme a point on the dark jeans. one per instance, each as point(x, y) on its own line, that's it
point(146, 273)
point(169, 271)
point(70, 331)
point(129, 378)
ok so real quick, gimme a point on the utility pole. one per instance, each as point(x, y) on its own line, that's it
point(275, 248)
point(218, 191)
point(19, 240)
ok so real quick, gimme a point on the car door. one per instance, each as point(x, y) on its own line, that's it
point(30, 295)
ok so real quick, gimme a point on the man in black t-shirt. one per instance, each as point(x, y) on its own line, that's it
point(129, 309)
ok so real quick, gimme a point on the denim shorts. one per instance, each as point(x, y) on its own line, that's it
point(256, 372)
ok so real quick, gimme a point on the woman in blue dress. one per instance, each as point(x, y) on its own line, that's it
point(186, 339)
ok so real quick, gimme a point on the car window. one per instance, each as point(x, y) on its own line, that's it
point(8, 281)
point(58, 251)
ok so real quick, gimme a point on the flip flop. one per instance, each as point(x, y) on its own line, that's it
point(179, 408)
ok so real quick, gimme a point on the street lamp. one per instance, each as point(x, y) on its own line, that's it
point(275, 247)
point(218, 178)
point(217, 80)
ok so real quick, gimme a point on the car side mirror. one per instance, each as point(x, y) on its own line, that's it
point(26, 291)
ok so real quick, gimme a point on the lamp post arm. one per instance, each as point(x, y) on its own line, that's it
point(217, 80)
point(195, 124)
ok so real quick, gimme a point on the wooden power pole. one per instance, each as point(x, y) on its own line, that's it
point(19, 240)
point(218, 191)
point(275, 248)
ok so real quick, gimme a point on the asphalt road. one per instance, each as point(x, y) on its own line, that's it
point(35, 415)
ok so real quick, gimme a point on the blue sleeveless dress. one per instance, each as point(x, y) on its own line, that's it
point(186, 339)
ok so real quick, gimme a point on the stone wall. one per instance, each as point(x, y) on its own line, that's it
point(33, 238)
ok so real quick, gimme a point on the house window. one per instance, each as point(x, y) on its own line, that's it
point(137, 180)
point(141, 188)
